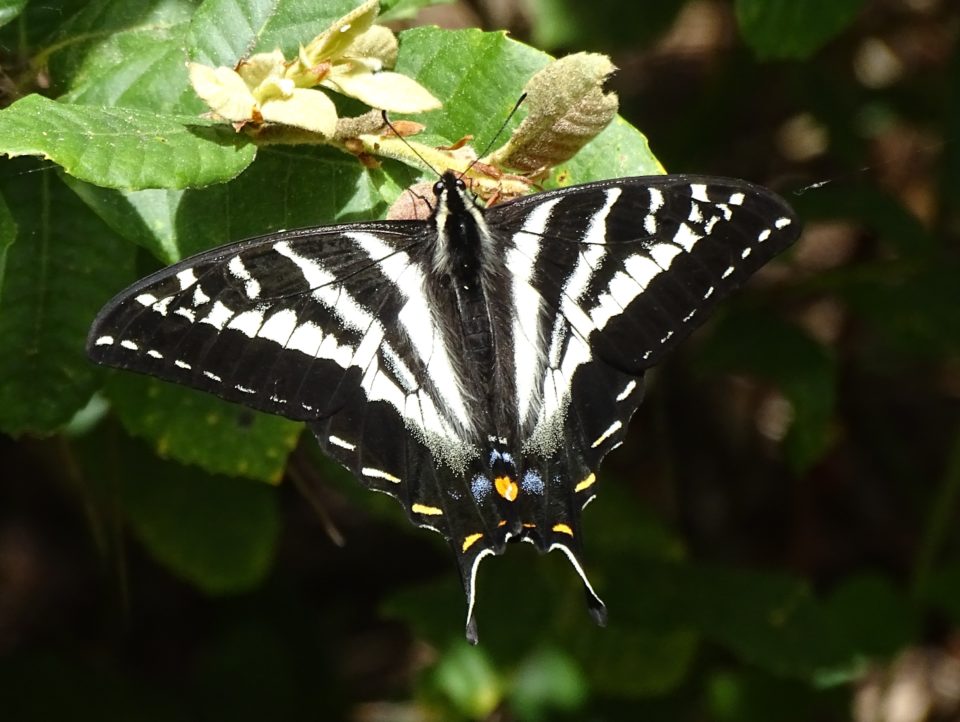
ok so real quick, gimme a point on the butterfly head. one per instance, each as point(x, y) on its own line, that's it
point(448, 183)
point(452, 202)
point(463, 242)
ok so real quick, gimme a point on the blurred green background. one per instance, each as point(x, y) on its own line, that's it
point(778, 539)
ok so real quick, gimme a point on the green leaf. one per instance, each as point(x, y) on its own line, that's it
point(467, 678)
point(137, 69)
point(764, 345)
point(636, 660)
point(391, 10)
point(147, 218)
point(8, 234)
point(479, 77)
point(59, 272)
point(600, 24)
point(124, 148)
point(10, 9)
point(768, 619)
point(277, 191)
point(910, 309)
point(548, 680)
point(218, 533)
point(792, 29)
point(287, 188)
point(224, 31)
point(197, 428)
point(118, 53)
point(751, 696)
point(280, 190)
point(876, 618)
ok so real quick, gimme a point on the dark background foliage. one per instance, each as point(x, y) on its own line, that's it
point(777, 540)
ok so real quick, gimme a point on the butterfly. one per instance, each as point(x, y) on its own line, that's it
point(476, 365)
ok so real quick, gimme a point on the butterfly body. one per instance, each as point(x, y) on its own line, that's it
point(476, 365)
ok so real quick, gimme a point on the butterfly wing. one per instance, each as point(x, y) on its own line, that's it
point(607, 278)
point(307, 324)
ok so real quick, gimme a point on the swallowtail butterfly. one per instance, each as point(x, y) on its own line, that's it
point(476, 365)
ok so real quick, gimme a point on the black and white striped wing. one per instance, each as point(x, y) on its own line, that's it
point(607, 278)
point(305, 324)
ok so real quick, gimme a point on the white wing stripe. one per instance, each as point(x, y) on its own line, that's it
point(248, 322)
point(186, 278)
point(685, 237)
point(218, 316)
point(592, 258)
point(306, 339)
point(642, 269)
point(417, 319)
point(326, 291)
point(528, 355)
point(664, 253)
point(279, 327)
point(250, 285)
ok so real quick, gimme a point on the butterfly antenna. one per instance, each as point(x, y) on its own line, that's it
point(417, 153)
point(499, 132)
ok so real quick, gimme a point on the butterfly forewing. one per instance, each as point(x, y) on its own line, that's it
point(477, 365)
point(292, 323)
point(608, 277)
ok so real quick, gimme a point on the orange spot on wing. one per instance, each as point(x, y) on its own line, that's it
point(586, 483)
point(506, 487)
point(424, 509)
point(470, 540)
point(563, 529)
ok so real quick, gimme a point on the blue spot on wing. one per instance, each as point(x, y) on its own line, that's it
point(532, 482)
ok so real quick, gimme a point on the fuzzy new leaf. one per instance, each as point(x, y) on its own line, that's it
point(567, 108)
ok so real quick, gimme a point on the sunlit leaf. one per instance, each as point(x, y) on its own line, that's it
point(119, 53)
point(122, 147)
point(9, 9)
point(547, 681)
point(224, 31)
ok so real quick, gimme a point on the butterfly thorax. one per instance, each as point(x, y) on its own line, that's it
point(472, 296)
